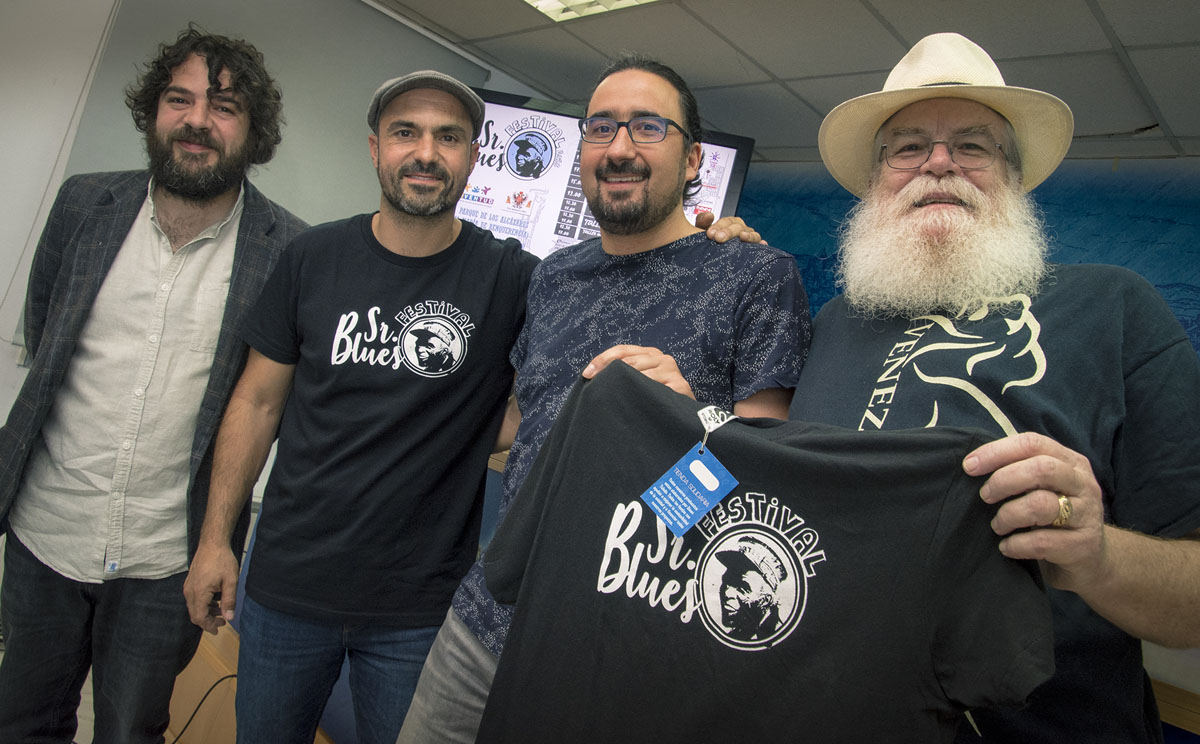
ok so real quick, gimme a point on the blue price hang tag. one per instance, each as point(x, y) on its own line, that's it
point(689, 489)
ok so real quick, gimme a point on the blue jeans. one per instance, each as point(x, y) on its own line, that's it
point(134, 634)
point(287, 666)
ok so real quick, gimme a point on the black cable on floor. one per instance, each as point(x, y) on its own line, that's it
point(197, 710)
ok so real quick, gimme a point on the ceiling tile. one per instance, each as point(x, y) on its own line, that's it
point(769, 69)
point(551, 59)
point(768, 113)
point(672, 36)
point(1095, 86)
point(1153, 147)
point(800, 38)
point(474, 19)
point(1153, 21)
point(824, 93)
point(1170, 76)
point(1013, 28)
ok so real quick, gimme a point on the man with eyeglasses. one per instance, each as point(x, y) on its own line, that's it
point(726, 324)
point(951, 316)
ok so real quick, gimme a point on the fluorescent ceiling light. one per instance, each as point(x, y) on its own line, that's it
point(565, 10)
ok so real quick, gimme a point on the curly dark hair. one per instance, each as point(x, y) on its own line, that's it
point(249, 78)
point(687, 100)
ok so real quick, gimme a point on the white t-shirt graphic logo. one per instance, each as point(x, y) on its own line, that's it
point(433, 346)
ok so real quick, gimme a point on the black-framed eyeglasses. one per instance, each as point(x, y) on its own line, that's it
point(971, 151)
point(644, 130)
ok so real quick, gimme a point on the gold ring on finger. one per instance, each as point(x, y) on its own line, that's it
point(1064, 512)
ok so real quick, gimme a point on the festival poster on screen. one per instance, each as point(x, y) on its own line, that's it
point(526, 182)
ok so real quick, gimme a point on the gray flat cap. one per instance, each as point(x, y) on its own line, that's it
point(427, 79)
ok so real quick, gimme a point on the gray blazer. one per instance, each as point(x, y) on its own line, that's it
point(86, 227)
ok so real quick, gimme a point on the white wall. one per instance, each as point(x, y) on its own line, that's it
point(48, 51)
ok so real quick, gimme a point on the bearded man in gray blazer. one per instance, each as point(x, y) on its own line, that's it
point(137, 288)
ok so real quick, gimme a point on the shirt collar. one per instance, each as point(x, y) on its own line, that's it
point(213, 231)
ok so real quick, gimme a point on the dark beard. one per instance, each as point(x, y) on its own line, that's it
point(426, 203)
point(183, 177)
point(635, 214)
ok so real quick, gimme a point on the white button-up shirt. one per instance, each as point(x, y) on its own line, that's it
point(104, 494)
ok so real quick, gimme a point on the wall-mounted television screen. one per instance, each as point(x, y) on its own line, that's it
point(526, 182)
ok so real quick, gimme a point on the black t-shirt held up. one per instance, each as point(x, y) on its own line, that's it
point(848, 589)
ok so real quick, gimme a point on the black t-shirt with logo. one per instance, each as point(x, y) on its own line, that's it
point(401, 373)
point(848, 589)
point(1097, 362)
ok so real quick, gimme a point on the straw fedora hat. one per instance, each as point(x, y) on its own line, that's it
point(945, 66)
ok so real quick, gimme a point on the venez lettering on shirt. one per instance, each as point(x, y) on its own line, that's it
point(880, 400)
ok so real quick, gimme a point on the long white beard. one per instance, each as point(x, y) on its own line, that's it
point(897, 260)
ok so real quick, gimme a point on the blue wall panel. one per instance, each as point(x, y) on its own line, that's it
point(1141, 214)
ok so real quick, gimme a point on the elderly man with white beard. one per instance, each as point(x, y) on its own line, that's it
point(951, 316)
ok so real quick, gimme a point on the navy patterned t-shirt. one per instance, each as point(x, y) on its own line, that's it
point(734, 316)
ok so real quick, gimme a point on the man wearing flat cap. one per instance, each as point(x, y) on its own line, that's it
point(371, 512)
point(952, 316)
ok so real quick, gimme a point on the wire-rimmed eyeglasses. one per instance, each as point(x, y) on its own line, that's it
point(644, 130)
point(970, 151)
